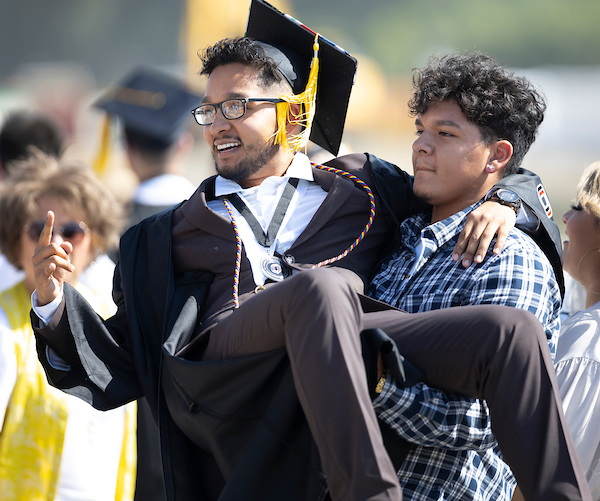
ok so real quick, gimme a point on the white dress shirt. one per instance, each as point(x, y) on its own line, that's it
point(262, 201)
point(167, 189)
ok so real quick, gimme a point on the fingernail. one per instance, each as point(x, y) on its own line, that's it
point(455, 257)
point(466, 263)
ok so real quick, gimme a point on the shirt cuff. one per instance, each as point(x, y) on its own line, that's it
point(46, 312)
point(527, 219)
point(55, 361)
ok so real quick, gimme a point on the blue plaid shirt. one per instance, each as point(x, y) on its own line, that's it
point(457, 456)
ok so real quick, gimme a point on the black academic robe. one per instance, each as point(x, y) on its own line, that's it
point(277, 458)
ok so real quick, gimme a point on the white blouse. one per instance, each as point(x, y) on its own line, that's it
point(578, 374)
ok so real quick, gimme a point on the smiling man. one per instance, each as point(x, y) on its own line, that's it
point(475, 121)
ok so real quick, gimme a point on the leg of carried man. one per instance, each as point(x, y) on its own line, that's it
point(317, 316)
point(499, 354)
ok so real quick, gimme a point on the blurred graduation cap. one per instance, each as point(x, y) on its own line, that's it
point(152, 104)
point(312, 65)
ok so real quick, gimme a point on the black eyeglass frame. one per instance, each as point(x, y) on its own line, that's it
point(243, 100)
point(80, 230)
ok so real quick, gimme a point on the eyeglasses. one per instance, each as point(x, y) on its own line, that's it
point(72, 231)
point(232, 109)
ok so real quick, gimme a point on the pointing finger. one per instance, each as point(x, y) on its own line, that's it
point(46, 234)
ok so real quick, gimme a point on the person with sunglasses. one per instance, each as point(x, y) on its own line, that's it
point(22, 132)
point(53, 445)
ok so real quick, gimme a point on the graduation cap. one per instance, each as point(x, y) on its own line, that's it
point(151, 103)
point(321, 75)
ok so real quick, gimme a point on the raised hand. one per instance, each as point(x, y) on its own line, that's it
point(51, 263)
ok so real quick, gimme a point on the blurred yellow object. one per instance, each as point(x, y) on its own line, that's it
point(205, 22)
point(101, 161)
point(33, 430)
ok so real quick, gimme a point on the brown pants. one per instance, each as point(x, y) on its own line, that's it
point(496, 353)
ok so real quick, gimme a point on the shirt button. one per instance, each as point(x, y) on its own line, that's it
point(289, 259)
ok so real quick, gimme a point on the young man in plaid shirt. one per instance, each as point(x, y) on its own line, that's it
point(475, 121)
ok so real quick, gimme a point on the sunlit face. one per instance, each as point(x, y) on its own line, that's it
point(449, 160)
point(581, 257)
point(243, 148)
point(82, 253)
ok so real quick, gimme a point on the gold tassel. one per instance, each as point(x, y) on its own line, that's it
point(305, 118)
point(101, 160)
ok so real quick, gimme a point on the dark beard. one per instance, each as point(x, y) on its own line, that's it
point(254, 161)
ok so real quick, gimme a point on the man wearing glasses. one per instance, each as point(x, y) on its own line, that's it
point(216, 294)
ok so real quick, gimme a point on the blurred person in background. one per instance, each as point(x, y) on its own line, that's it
point(153, 109)
point(578, 351)
point(53, 445)
point(22, 131)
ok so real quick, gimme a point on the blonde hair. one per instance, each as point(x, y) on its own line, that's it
point(588, 190)
point(71, 182)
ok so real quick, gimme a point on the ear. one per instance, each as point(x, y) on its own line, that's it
point(500, 154)
point(293, 118)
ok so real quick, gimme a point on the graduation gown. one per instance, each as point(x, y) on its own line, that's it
point(254, 440)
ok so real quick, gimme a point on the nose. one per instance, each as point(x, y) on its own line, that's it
point(220, 123)
point(566, 216)
point(421, 145)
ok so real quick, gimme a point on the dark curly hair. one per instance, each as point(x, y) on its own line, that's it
point(243, 50)
point(502, 105)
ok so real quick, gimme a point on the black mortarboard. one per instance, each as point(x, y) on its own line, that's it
point(293, 54)
point(151, 103)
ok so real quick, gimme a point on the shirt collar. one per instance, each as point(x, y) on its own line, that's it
point(442, 231)
point(299, 168)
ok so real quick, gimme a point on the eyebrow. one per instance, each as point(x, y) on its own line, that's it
point(230, 95)
point(443, 123)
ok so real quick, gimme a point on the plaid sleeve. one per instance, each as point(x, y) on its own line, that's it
point(433, 418)
point(521, 277)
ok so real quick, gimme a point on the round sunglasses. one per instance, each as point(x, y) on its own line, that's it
point(73, 231)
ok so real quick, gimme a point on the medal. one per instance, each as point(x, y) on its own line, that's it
point(273, 268)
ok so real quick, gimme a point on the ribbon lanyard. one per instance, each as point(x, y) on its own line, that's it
point(273, 267)
point(282, 206)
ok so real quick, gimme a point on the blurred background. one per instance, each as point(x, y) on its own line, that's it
point(57, 56)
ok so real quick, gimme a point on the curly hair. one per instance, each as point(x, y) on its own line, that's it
point(502, 105)
point(72, 183)
point(246, 51)
point(588, 190)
